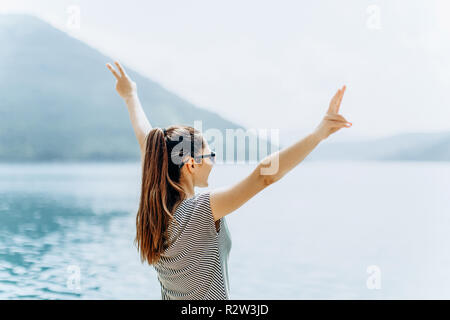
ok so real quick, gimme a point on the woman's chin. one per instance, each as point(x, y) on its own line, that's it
point(204, 185)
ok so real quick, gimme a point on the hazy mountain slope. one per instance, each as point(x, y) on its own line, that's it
point(58, 101)
point(405, 147)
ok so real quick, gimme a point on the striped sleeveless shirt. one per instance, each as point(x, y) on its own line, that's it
point(195, 266)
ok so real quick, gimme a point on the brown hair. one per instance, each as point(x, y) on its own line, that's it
point(161, 191)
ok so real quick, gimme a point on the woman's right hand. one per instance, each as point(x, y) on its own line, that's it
point(124, 86)
point(332, 121)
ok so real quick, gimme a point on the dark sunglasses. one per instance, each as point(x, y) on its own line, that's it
point(211, 155)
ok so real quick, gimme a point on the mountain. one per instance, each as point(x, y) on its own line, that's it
point(58, 103)
point(401, 147)
point(58, 100)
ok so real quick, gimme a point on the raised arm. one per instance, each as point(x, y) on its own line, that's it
point(127, 89)
point(275, 166)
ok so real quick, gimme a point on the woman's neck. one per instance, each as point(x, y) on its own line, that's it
point(188, 187)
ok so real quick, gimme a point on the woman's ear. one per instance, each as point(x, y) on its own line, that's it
point(190, 165)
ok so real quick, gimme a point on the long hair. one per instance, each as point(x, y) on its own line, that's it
point(161, 191)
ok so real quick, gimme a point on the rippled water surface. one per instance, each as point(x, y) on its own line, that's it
point(311, 235)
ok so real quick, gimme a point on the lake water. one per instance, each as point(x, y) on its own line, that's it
point(327, 230)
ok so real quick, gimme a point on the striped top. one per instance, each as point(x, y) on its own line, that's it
point(195, 266)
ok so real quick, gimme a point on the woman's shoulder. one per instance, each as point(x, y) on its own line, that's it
point(200, 199)
point(199, 196)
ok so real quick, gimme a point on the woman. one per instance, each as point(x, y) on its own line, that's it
point(182, 234)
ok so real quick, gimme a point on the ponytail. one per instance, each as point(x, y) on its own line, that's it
point(161, 192)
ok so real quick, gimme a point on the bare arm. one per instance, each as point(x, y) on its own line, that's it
point(228, 199)
point(139, 120)
point(273, 167)
point(127, 89)
point(279, 163)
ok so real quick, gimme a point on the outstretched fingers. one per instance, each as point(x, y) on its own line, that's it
point(114, 72)
point(335, 102)
point(331, 108)
point(340, 99)
point(122, 72)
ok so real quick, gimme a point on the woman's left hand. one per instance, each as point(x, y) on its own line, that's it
point(124, 86)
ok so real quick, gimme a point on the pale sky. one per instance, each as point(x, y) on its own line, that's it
point(276, 64)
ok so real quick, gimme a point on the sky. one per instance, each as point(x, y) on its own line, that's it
point(276, 64)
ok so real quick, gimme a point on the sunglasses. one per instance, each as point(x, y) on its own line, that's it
point(211, 155)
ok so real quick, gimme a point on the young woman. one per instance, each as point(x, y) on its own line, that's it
point(182, 234)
